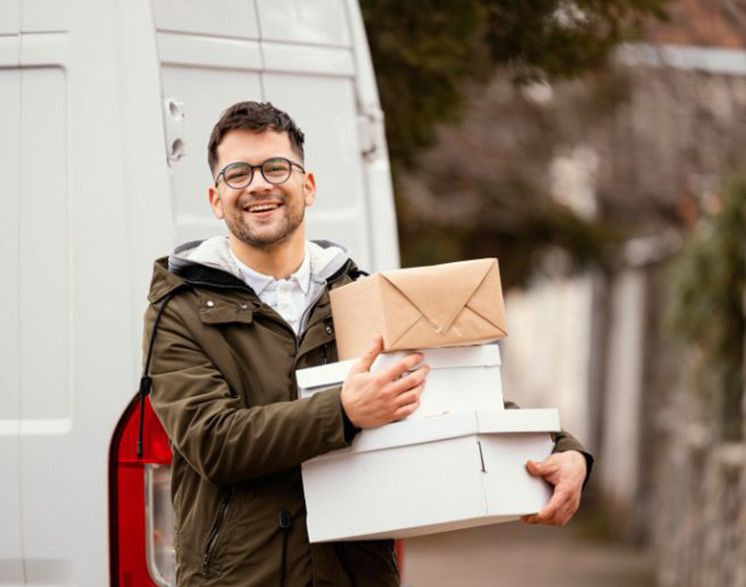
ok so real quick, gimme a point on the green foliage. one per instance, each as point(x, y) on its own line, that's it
point(426, 52)
point(707, 309)
point(559, 39)
point(423, 51)
point(527, 234)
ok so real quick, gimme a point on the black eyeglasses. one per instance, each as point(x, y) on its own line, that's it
point(275, 170)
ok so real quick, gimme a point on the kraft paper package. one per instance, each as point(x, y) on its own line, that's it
point(423, 307)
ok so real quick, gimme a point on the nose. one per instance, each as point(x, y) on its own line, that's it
point(258, 184)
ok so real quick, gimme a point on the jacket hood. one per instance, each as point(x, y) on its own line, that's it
point(210, 262)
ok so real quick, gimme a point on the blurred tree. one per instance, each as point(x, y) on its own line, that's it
point(707, 285)
point(516, 180)
point(469, 62)
point(426, 51)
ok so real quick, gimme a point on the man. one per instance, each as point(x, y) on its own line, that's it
point(242, 314)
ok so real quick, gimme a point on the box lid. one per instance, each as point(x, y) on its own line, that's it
point(455, 425)
point(483, 355)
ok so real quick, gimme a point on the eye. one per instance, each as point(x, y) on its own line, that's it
point(276, 167)
point(237, 173)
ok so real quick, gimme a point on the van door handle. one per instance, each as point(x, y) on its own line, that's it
point(173, 119)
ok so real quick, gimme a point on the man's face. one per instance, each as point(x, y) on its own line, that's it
point(262, 215)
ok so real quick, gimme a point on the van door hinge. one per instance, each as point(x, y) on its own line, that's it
point(173, 120)
point(372, 133)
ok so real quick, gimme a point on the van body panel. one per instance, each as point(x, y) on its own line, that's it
point(10, 17)
point(95, 98)
point(11, 554)
point(327, 112)
point(220, 18)
point(322, 22)
point(280, 57)
point(44, 16)
point(202, 91)
point(209, 52)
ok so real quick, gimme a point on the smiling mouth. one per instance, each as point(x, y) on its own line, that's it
point(256, 208)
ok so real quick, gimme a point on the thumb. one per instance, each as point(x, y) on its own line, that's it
point(366, 361)
point(536, 468)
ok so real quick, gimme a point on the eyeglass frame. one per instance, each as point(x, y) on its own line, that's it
point(260, 167)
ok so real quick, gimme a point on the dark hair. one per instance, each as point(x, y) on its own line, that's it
point(256, 117)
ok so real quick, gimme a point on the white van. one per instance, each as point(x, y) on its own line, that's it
point(105, 110)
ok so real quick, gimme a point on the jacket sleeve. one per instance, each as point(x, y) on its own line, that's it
point(208, 424)
point(564, 441)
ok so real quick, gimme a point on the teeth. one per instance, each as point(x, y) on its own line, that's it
point(263, 207)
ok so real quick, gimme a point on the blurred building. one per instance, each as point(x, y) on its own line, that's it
point(596, 345)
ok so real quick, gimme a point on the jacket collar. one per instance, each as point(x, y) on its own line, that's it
point(210, 263)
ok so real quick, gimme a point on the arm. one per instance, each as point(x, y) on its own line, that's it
point(568, 469)
point(208, 424)
point(225, 442)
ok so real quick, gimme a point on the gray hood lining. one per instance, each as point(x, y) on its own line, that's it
point(326, 257)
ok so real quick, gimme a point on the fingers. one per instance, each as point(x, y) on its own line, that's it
point(541, 469)
point(566, 471)
point(366, 361)
point(378, 398)
point(560, 517)
point(400, 367)
point(410, 381)
point(554, 505)
point(410, 396)
point(410, 401)
point(560, 509)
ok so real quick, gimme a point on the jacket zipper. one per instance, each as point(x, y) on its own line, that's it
point(217, 526)
point(283, 522)
point(308, 309)
point(302, 331)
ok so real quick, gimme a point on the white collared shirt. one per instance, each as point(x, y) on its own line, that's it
point(288, 297)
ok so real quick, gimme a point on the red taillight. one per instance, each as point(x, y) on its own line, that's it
point(131, 494)
point(138, 498)
point(399, 553)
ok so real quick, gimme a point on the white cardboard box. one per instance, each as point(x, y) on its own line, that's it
point(461, 379)
point(420, 477)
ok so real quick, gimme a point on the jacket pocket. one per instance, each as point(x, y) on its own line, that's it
point(218, 524)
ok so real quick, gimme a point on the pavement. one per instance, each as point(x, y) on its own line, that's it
point(521, 555)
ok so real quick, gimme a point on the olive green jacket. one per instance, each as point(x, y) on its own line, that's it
point(224, 389)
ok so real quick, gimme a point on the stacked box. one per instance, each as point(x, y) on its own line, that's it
point(444, 473)
point(460, 379)
point(459, 460)
point(424, 307)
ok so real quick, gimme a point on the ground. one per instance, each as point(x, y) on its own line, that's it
point(515, 554)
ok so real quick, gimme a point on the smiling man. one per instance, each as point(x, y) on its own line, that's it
point(236, 316)
point(262, 205)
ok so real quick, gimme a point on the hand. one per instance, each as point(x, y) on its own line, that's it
point(374, 399)
point(566, 471)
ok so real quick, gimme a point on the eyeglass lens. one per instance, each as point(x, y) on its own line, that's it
point(239, 175)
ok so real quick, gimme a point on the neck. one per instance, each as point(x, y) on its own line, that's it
point(280, 261)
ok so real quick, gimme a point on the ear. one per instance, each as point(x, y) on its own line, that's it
point(216, 203)
point(309, 189)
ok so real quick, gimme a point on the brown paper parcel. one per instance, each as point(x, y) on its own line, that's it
point(424, 307)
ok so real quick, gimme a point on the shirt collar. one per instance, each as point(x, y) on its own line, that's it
point(259, 281)
point(303, 275)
